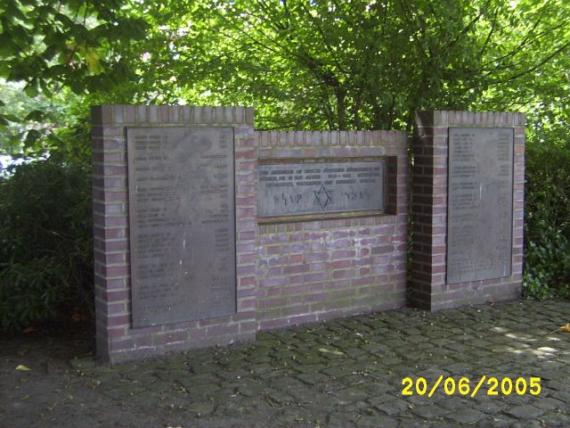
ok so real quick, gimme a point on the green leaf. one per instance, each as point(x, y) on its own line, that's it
point(12, 118)
point(36, 115)
point(6, 45)
point(32, 137)
point(45, 88)
point(32, 89)
point(64, 19)
point(92, 59)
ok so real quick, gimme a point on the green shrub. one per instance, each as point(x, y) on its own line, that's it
point(45, 242)
point(547, 225)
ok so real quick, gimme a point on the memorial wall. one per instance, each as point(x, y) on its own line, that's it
point(206, 231)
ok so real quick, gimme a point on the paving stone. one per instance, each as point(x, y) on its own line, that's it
point(377, 421)
point(454, 403)
point(490, 406)
point(555, 420)
point(527, 424)
point(201, 408)
point(380, 399)
point(345, 373)
point(429, 411)
point(393, 407)
point(351, 394)
point(548, 403)
point(199, 390)
point(340, 420)
point(526, 412)
point(465, 416)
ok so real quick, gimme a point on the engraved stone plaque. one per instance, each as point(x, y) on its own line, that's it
point(182, 224)
point(480, 203)
point(286, 189)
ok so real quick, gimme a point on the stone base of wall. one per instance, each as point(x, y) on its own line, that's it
point(457, 295)
point(136, 353)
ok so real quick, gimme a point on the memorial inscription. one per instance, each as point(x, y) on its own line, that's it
point(182, 224)
point(286, 189)
point(480, 203)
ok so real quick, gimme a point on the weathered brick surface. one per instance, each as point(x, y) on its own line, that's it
point(316, 270)
point(428, 287)
point(300, 271)
point(116, 339)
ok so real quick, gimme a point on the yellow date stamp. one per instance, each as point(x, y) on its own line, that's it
point(487, 385)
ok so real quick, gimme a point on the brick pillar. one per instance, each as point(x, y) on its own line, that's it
point(117, 340)
point(428, 285)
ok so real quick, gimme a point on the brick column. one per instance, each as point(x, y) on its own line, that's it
point(428, 287)
point(117, 340)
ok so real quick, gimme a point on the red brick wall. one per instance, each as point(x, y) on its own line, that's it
point(299, 271)
point(315, 270)
point(116, 339)
point(428, 286)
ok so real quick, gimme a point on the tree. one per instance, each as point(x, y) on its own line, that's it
point(358, 64)
point(74, 43)
point(54, 46)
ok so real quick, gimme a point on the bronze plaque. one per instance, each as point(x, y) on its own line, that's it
point(182, 224)
point(480, 203)
point(320, 187)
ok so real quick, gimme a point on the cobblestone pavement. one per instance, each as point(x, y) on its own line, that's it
point(340, 374)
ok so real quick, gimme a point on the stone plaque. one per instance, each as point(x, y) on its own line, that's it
point(286, 189)
point(480, 203)
point(182, 224)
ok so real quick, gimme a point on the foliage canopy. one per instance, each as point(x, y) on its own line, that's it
point(326, 64)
